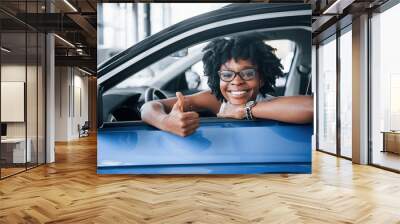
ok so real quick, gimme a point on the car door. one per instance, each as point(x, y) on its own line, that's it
point(218, 146)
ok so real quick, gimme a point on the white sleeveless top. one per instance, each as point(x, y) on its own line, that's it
point(259, 98)
point(267, 97)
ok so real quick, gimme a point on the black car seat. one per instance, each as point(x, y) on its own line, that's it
point(305, 79)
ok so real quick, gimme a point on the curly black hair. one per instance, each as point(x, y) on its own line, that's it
point(246, 47)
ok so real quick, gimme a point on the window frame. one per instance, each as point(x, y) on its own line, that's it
point(333, 33)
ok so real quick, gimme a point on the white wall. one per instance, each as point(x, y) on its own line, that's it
point(70, 83)
point(33, 125)
point(79, 117)
point(61, 103)
point(12, 98)
point(12, 73)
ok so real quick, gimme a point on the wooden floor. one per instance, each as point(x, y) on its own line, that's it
point(10, 171)
point(70, 191)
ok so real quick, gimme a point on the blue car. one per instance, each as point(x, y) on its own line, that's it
point(170, 61)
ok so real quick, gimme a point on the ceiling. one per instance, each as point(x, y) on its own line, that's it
point(332, 15)
point(74, 22)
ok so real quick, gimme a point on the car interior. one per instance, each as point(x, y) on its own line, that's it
point(182, 71)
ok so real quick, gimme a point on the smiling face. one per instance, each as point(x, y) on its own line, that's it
point(239, 91)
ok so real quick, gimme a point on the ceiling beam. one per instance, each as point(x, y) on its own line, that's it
point(337, 6)
point(81, 61)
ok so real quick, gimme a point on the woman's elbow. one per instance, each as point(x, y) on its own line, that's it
point(305, 110)
point(145, 110)
point(309, 110)
point(150, 109)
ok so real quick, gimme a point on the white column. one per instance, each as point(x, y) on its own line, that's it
point(50, 98)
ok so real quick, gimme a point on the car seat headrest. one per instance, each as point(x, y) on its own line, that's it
point(303, 69)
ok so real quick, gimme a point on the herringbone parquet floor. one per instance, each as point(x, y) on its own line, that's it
point(70, 191)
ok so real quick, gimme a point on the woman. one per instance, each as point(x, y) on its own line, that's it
point(241, 72)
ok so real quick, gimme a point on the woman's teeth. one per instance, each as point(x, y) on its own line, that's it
point(238, 93)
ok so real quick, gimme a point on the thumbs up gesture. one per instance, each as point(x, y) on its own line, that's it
point(180, 122)
point(180, 102)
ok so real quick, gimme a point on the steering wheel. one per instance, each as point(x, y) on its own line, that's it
point(154, 93)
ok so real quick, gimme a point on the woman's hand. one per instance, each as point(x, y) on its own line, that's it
point(179, 122)
point(229, 110)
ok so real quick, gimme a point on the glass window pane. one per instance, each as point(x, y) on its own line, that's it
point(13, 86)
point(32, 88)
point(346, 94)
point(23, 87)
point(41, 98)
point(327, 96)
point(31, 97)
point(385, 84)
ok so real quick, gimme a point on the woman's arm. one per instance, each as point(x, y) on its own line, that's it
point(291, 109)
point(176, 115)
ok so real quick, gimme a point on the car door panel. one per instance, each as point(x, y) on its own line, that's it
point(259, 146)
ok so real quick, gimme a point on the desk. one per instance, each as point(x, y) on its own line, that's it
point(15, 148)
point(391, 141)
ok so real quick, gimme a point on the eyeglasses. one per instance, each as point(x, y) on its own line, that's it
point(246, 74)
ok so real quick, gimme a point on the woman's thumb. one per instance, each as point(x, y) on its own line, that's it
point(180, 101)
